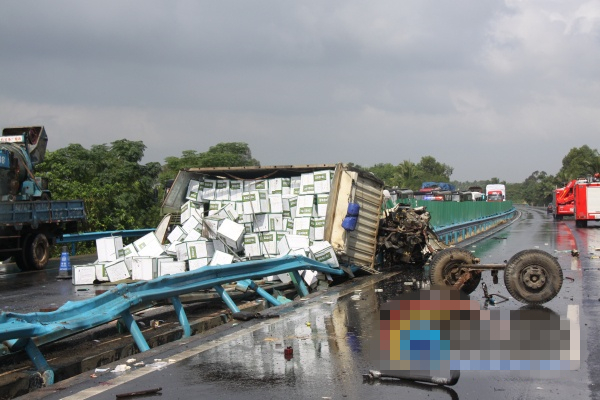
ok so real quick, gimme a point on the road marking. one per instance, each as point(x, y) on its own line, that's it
point(574, 336)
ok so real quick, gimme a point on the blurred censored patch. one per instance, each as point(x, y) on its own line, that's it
point(443, 330)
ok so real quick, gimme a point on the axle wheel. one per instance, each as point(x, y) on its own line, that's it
point(444, 269)
point(533, 277)
point(37, 251)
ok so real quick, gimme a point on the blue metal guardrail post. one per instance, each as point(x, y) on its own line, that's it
point(226, 298)
point(252, 285)
point(135, 331)
point(183, 321)
point(299, 283)
point(36, 356)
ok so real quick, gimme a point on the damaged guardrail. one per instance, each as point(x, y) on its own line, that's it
point(27, 331)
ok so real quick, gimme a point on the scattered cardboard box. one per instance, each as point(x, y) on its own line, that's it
point(108, 248)
point(83, 274)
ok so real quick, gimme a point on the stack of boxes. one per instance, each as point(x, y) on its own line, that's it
point(226, 221)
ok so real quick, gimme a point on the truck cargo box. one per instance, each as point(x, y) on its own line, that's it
point(347, 185)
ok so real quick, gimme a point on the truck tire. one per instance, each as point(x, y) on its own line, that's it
point(37, 251)
point(20, 261)
point(533, 277)
point(581, 223)
point(444, 271)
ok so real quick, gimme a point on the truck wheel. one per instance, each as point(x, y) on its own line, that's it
point(533, 277)
point(20, 261)
point(37, 251)
point(444, 269)
point(580, 223)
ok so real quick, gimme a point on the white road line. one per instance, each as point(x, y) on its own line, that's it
point(574, 336)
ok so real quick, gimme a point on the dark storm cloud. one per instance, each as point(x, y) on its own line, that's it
point(469, 82)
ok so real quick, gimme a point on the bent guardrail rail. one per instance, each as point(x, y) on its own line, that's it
point(28, 331)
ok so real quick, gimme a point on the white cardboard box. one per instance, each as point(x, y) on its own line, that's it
point(128, 251)
point(302, 226)
point(307, 183)
point(323, 252)
point(148, 246)
point(289, 205)
point(288, 225)
point(292, 242)
point(214, 206)
point(108, 248)
point(276, 203)
point(236, 188)
point(101, 272)
point(191, 224)
point(317, 228)
point(256, 202)
point(232, 234)
point(228, 210)
point(295, 183)
point(171, 249)
point(219, 246)
point(198, 263)
point(193, 250)
point(171, 268)
point(309, 276)
point(269, 242)
point(177, 235)
point(305, 206)
point(252, 247)
point(322, 201)
point(255, 184)
point(192, 191)
point(275, 222)
point(211, 227)
point(322, 181)
point(117, 270)
point(144, 268)
point(221, 258)
point(208, 189)
point(83, 274)
point(195, 234)
point(261, 223)
point(160, 260)
point(191, 208)
point(222, 190)
point(279, 186)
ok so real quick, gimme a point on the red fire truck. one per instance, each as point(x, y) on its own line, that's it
point(587, 201)
point(563, 202)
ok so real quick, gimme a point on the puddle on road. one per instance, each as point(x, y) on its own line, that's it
point(324, 349)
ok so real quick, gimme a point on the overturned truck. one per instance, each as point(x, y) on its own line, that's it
point(319, 203)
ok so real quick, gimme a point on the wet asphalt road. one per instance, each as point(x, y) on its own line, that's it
point(334, 337)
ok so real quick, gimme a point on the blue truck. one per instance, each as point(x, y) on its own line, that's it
point(30, 222)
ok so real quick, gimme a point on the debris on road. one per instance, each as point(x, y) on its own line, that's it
point(140, 393)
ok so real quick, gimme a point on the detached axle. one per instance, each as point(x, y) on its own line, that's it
point(530, 276)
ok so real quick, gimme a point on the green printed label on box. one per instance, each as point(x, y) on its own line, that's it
point(323, 257)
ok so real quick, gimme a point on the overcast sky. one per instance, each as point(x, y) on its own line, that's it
point(491, 88)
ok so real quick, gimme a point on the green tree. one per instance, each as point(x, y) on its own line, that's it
point(432, 170)
point(579, 163)
point(537, 188)
point(118, 191)
point(229, 154)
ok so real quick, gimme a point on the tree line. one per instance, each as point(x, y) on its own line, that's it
point(121, 193)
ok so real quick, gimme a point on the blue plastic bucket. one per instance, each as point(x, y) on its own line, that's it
point(353, 209)
point(349, 223)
